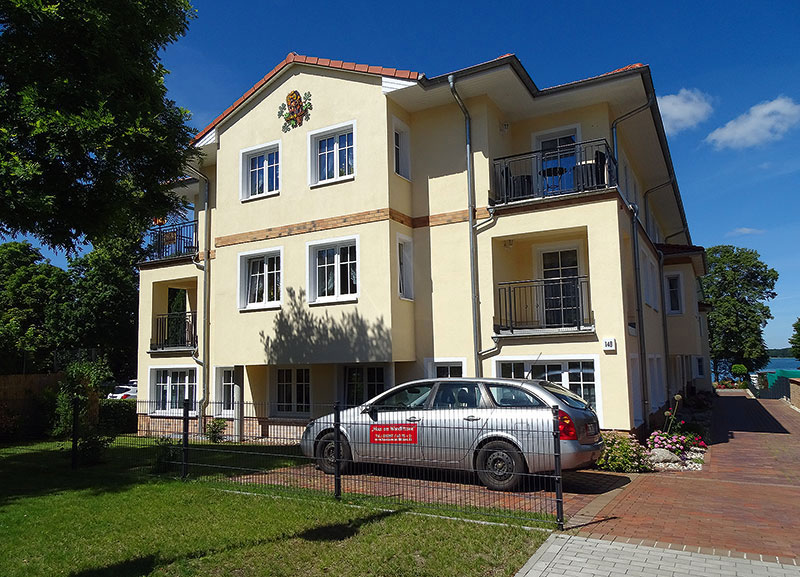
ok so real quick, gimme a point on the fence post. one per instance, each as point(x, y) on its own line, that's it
point(76, 407)
point(337, 475)
point(557, 470)
point(185, 457)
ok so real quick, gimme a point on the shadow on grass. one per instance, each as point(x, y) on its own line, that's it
point(149, 563)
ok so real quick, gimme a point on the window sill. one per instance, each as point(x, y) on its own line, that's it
point(266, 307)
point(259, 196)
point(406, 178)
point(674, 313)
point(322, 183)
point(407, 299)
point(334, 300)
point(172, 413)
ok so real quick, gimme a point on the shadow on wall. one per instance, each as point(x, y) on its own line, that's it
point(301, 336)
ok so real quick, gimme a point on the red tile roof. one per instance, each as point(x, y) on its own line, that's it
point(293, 57)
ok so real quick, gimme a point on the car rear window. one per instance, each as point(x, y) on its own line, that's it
point(568, 397)
point(508, 396)
point(120, 389)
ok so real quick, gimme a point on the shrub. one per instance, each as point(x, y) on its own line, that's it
point(91, 448)
point(118, 416)
point(624, 454)
point(215, 430)
point(167, 455)
point(676, 442)
point(739, 371)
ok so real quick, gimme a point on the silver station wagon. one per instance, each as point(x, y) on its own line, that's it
point(502, 429)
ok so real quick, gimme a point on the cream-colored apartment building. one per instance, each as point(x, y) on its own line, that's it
point(357, 226)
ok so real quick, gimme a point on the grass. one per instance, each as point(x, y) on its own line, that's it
point(117, 519)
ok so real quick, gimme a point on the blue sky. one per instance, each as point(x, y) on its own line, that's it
point(727, 75)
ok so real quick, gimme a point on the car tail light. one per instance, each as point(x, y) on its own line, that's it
point(566, 427)
point(125, 396)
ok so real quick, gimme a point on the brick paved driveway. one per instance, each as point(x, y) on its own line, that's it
point(746, 499)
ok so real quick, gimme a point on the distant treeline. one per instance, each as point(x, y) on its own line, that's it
point(785, 353)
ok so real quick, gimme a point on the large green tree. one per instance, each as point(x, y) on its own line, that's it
point(34, 299)
point(794, 340)
point(737, 285)
point(89, 141)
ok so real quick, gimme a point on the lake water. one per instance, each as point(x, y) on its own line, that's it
point(776, 363)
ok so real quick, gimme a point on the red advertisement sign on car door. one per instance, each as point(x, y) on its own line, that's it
point(397, 434)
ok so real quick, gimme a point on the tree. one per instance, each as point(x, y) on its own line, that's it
point(89, 142)
point(737, 286)
point(794, 340)
point(105, 301)
point(34, 297)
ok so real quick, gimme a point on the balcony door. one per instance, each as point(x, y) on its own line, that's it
point(557, 161)
point(561, 299)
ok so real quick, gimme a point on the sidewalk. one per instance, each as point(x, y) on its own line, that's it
point(565, 556)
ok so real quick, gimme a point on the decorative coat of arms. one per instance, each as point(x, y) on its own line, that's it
point(295, 110)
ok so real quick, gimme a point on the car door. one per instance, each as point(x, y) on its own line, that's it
point(456, 418)
point(388, 429)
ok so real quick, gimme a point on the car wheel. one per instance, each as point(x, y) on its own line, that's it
point(500, 465)
point(326, 453)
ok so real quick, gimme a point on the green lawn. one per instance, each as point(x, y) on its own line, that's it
point(118, 519)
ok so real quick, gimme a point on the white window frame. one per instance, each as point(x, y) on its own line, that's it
point(400, 128)
point(219, 406)
point(243, 275)
point(405, 282)
point(365, 369)
point(313, 153)
point(244, 170)
point(432, 362)
point(152, 384)
point(668, 304)
point(311, 269)
point(538, 137)
point(293, 403)
point(696, 373)
point(552, 359)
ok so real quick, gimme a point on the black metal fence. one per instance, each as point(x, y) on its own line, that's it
point(578, 167)
point(174, 331)
point(172, 241)
point(451, 461)
point(562, 303)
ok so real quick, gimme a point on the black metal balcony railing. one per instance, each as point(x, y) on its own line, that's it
point(174, 331)
point(556, 304)
point(172, 241)
point(579, 167)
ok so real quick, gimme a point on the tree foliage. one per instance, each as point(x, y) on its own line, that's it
point(794, 340)
point(92, 305)
point(737, 285)
point(89, 142)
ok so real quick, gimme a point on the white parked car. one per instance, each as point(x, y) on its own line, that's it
point(127, 391)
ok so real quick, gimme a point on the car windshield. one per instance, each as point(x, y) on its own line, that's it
point(568, 397)
point(120, 389)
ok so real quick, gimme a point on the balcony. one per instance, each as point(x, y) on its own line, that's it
point(172, 241)
point(575, 168)
point(174, 331)
point(543, 307)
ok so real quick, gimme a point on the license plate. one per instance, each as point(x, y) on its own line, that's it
point(591, 428)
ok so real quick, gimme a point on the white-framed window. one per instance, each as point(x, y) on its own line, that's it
point(332, 153)
point(442, 368)
point(226, 392)
point(260, 171)
point(401, 147)
point(698, 367)
point(363, 383)
point(674, 294)
point(577, 375)
point(333, 270)
point(294, 390)
point(260, 277)
point(405, 267)
point(169, 387)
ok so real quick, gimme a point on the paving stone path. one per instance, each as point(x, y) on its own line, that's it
point(570, 555)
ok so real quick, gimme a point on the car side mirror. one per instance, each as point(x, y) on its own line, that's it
point(370, 410)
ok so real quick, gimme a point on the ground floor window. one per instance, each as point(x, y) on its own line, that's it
point(172, 386)
point(363, 383)
point(577, 376)
point(294, 391)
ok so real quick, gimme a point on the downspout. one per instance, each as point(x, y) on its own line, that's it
point(667, 361)
point(206, 266)
point(637, 269)
point(471, 215)
point(647, 203)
